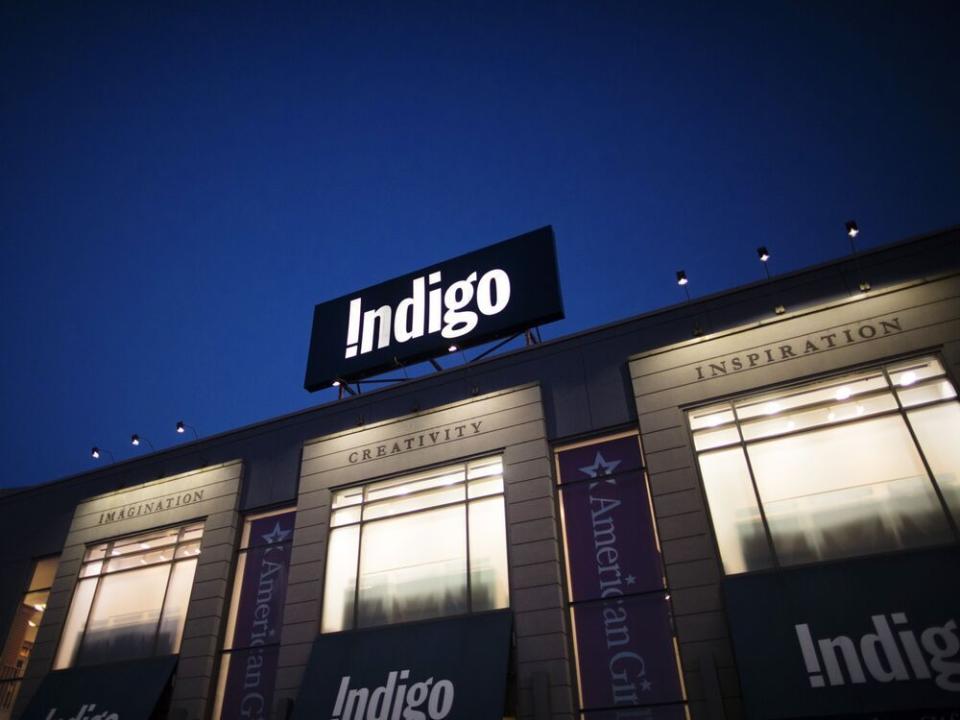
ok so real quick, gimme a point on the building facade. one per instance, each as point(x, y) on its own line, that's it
point(714, 510)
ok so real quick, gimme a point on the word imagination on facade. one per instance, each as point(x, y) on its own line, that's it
point(414, 441)
point(471, 299)
point(148, 507)
point(814, 343)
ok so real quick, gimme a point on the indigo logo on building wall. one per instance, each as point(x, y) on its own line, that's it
point(893, 652)
point(471, 299)
point(397, 698)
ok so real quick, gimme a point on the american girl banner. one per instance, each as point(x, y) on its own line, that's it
point(625, 648)
point(256, 637)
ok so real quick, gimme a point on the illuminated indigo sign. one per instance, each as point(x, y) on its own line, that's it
point(471, 299)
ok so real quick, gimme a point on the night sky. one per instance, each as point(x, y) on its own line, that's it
point(181, 183)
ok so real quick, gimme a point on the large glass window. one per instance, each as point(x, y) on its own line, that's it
point(416, 547)
point(852, 465)
point(131, 598)
point(251, 647)
point(23, 632)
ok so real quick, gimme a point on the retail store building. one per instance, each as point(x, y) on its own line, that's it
point(714, 510)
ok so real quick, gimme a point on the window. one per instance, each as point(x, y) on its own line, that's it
point(23, 632)
point(851, 465)
point(131, 598)
point(251, 647)
point(416, 547)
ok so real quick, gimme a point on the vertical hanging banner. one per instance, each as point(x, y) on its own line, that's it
point(248, 691)
point(625, 649)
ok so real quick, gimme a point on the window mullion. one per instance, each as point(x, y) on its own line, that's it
point(756, 490)
point(923, 458)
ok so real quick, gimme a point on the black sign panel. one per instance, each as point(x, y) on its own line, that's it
point(874, 637)
point(454, 668)
point(471, 299)
point(126, 690)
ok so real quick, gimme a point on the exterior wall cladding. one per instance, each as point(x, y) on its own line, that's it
point(635, 375)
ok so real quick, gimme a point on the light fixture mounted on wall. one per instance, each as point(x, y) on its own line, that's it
point(182, 428)
point(95, 453)
point(852, 231)
point(135, 440)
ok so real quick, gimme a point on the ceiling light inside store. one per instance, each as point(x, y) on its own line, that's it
point(908, 378)
point(843, 392)
point(772, 408)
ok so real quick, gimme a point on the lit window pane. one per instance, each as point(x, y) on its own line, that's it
point(43, 573)
point(782, 423)
point(420, 501)
point(73, 627)
point(345, 516)
point(123, 620)
point(350, 496)
point(484, 468)
point(91, 569)
point(707, 439)
point(96, 552)
point(906, 373)
point(733, 507)
point(938, 430)
point(413, 567)
point(492, 485)
point(827, 391)
point(175, 607)
point(341, 583)
point(711, 417)
point(407, 485)
point(488, 555)
point(151, 541)
point(929, 392)
point(848, 490)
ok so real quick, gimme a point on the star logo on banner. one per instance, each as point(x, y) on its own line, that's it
point(600, 467)
point(631, 579)
point(277, 535)
point(645, 685)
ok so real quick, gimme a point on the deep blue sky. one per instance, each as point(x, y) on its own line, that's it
point(179, 185)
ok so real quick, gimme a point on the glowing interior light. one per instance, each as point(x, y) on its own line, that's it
point(791, 425)
point(860, 410)
point(772, 408)
point(908, 378)
point(31, 623)
point(713, 420)
point(145, 545)
point(114, 552)
point(831, 416)
point(843, 392)
point(40, 607)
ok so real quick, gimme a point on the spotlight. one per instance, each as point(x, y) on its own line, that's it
point(864, 286)
point(97, 452)
point(682, 278)
point(452, 348)
point(335, 383)
point(852, 229)
point(779, 310)
point(763, 254)
point(135, 440)
point(182, 428)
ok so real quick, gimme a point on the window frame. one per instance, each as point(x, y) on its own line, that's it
point(882, 367)
point(10, 686)
point(75, 660)
point(412, 473)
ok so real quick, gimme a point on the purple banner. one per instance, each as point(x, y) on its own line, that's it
point(263, 590)
point(626, 653)
point(625, 649)
point(611, 545)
